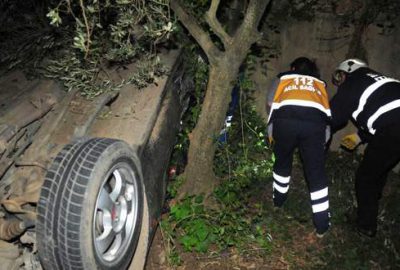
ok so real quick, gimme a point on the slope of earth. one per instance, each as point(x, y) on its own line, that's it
point(293, 243)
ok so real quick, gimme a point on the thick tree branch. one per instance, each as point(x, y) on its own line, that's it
point(254, 13)
point(196, 31)
point(211, 19)
point(356, 48)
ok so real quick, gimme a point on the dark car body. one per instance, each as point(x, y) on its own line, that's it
point(37, 120)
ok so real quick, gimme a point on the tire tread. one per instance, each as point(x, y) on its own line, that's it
point(60, 203)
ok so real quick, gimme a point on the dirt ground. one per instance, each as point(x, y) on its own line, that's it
point(228, 260)
point(252, 259)
point(233, 259)
point(294, 244)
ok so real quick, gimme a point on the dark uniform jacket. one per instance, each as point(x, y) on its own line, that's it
point(367, 98)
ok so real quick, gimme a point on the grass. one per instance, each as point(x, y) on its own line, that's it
point(342, 247)
point(283, 238)
point(246, 231)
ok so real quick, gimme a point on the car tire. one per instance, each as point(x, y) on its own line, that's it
point(91, 206)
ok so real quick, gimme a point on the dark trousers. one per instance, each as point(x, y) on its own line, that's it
point(309, 137)
point(381, 155)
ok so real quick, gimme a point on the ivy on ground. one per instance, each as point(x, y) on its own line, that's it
point(241, 161)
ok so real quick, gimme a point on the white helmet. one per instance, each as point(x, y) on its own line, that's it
point(347, 66)
point(351, 65)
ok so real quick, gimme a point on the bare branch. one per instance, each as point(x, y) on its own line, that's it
point(88, 31)
point(196, 31)
point(211, 19)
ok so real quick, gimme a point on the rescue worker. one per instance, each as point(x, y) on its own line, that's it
point(372, 102)
point(298, 118)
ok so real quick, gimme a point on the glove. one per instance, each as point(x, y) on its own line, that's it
point(327, 134)
point(270, 140)
point(350, 142)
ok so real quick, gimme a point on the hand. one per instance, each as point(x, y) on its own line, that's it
point(350, 142)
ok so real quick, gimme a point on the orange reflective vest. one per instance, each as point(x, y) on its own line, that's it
point(301, 90)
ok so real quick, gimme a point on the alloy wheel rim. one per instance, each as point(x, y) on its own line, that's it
point(116, 214)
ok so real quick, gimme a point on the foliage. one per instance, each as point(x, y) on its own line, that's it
point(198, 70)
point(78, 75)
point(196, 227)
point(128, 24)
point(347, 249)
point(114, 32)
point(198, 232)
point(200, 6)
point(79, 42)
point(246, 220)
point(303, 10)
point(385, 15)
point(381, 13)
point(26, 36)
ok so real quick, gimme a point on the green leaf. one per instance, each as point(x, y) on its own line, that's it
point(188, 241)
point(198, 209)
point(54, 17)
point(91, 9)
point(180, 211)
point(202, 232)
point(199, 199)
point(202, 246)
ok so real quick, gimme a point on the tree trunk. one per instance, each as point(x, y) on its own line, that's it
point(199, 175)
point(224, 66)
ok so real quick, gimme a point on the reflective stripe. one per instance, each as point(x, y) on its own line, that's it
point(270, 113)
point(280, 189)
point(369, 91)
point(281, 179)
point(388, 107)
point(303, 103)
point(319, 194)
point(320, 207)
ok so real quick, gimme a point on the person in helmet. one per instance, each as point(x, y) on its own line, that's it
point(372, 102)
point(298, 118)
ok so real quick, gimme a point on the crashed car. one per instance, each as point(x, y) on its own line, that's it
point(83, 180)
